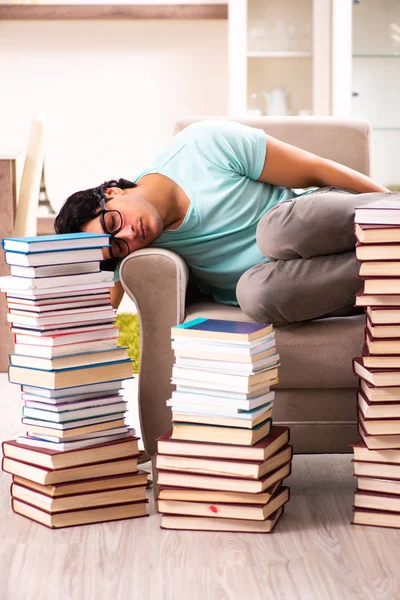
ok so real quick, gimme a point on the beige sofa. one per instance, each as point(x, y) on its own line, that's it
point(316, 394)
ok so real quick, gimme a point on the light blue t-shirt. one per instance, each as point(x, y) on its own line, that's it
point(217, 164)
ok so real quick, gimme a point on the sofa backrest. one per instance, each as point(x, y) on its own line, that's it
point(346, 141)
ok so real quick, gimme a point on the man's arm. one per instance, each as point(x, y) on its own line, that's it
point(292, 167)
point(116, 294)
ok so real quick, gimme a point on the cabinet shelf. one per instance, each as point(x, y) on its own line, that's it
point(278, 54)
point(385, 128)
point(391, 55)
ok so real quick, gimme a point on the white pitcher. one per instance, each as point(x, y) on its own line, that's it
point(276, 102)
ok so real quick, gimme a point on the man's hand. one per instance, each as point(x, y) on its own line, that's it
point(117, 293)
point(291, 167)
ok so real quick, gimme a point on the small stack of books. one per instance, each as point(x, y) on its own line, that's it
point(222, 465)
point(377, 455)
point(75, 439)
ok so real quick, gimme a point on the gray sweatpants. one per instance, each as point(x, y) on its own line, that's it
point(313, 270)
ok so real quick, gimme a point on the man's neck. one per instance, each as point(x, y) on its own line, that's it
point(166, 196)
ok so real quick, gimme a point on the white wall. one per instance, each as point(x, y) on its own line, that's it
point(112, 90)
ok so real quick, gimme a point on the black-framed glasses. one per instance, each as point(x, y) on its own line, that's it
point(111, 222)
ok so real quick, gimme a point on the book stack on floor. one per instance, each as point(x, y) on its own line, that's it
point(222, 465)
point(377, 455)
point(75, 462)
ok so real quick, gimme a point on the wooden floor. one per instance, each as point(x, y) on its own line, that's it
point(314, 552)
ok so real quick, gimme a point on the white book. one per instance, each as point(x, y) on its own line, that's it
point(59, 330)
point(225, 357)
point(62, 446)
point(221, 402)
point(33, 309)
point(64, 293)
point(33, 402)
point(221, 391)
point(35, 259)
point(68, 361)
point(65, 300)
point(76, 315)
point(56, 270)
point(225, 387)
point(384, 212)
point(84, 390)
point(55, 351)
point(71, 425)
point(258, 345)
point(75, 335)
point(52, 292)
point(38, 283)
point(234, 367)
point(218, 411)
point(74, 414)
point(229, 375)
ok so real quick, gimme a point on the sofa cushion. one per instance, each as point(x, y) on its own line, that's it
point(314, 354)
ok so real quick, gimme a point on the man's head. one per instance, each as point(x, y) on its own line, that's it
point(116, 207)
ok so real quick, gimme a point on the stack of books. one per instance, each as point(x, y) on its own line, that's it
point(377, 455)
point(75, 461)
point(222, 465)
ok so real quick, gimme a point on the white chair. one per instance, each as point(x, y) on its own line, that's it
point(27, 203)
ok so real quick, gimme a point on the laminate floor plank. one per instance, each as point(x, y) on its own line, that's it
point(314, 553)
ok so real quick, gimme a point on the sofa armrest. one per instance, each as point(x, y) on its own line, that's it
point(156, 280)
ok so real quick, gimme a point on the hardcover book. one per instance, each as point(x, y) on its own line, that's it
point(55, 270)
point(194, 495)
point(51, 459)
point(253, 419)
point(377, 299)
point(65, 241)
point(226, 467)
point(225, 511)
point(58, 257)
point(363, 454)
point(377, 234)
point(80, 517)
point(219, 402)
point(75, 473)
point(378, 410)
point(364, 516)
point(220, 434)
point(374, 469)
point(78, 501)
point(377, 377)
point(221, 330)
point(384, 394)
point(373, 484)
point(222, 483)
point(378, 442)
point(101, 484)
point(71, 377)
point(212, 524)
point(262, 450)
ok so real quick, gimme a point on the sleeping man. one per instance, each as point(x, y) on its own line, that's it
point(259, 222)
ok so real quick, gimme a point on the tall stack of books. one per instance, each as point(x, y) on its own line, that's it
point(75, 461)
point(222, 465)
point(377, 455)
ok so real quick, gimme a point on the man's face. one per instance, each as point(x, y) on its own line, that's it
point(141, 222)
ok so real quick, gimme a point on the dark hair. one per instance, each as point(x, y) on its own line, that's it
point(83, 206)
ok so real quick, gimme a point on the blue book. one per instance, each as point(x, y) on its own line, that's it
point(218, 329)
point(66, 241)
